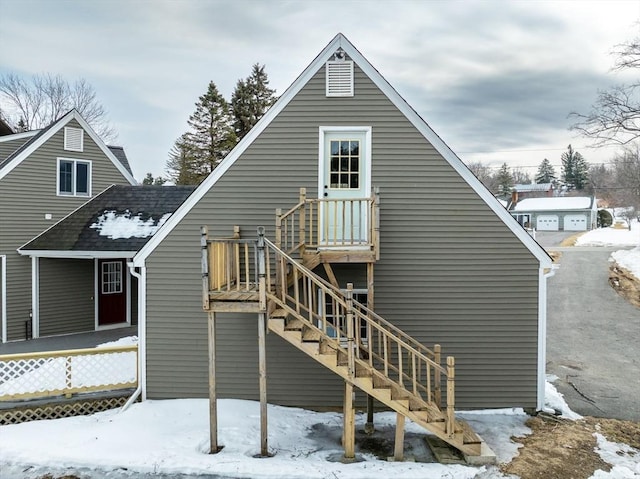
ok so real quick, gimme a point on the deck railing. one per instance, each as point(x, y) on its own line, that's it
point(63, 373)
point(329, 223)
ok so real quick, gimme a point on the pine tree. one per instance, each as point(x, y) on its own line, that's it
point(251, 99)
point(211, 137)
point(150, 180)
point(546, 172)
point(505, 180)
point(181, 163)
point(575, 171)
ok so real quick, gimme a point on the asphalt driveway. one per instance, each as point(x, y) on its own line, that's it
point(593, 337)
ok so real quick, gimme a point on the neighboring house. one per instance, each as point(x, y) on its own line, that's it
point(90, 248)
point(44, 176)
point(566, 213)
point(454, 267)
point(533, 190)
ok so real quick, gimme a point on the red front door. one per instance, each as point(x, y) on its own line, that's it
point(112, 291)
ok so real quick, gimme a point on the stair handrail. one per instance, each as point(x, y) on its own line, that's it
point(386, 329)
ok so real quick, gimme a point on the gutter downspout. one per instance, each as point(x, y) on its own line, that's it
point(142, 333)
point(542, 332)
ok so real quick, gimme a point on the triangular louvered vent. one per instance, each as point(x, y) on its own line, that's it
point(73, 139)
point(339, 78)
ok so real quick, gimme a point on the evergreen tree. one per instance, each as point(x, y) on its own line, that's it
point(546, 173)
point(181, 163)
point(251, 99)
point(150, 180)
point(575, 171)
point(505, 180)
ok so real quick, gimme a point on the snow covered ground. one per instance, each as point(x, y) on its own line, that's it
point(628, 258)
point(171, 437)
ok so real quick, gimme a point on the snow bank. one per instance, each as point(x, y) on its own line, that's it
point(555, 400)
point(611, 237)
point(628, 259)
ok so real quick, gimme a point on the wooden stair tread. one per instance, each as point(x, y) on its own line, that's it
point(469, 436)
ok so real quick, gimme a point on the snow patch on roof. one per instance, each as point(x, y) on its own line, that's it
point(125, 225)
point(566, 203)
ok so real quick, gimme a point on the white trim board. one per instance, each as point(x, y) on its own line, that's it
point(340, 41)
point(55, 128)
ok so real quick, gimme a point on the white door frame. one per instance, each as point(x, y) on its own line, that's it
point(365, 169)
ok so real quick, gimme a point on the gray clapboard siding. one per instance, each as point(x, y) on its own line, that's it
point(71, 309)
point(449, 272)
point(7, 147)
point(27, 193)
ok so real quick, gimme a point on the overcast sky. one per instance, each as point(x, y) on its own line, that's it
point(496, 80)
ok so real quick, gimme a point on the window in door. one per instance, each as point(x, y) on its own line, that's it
point(344, 164)
point(111, 277)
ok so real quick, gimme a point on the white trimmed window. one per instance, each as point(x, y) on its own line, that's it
point(73, 139)
point(74, 177)
point(339, 81)
point(111, 277)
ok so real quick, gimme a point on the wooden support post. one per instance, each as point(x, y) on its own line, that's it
point(369, 426)
point(349, 434)
point(436, 376)
point(213, 405)
point(264, 446)
point(262, 355)
point(451, 403)
point(398, 450)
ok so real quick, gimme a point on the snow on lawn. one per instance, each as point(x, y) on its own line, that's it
point(171, 437)
point(611, 236)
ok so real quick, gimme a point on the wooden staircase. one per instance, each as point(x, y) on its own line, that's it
point(354, 342)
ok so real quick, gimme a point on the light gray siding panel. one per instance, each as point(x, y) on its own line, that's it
point(66, 296)
point(9, 146)
point(450, 272)
point(27, 193)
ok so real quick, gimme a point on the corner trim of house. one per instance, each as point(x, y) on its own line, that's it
point(3, 295)
point(35, 296)
point(542, 333)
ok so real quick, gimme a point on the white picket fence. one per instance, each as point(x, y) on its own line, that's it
point(58, 373)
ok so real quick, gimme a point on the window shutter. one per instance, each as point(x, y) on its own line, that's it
point(73, 139)
point(339, 78)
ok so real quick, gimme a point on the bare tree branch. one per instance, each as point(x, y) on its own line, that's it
point(43, 99)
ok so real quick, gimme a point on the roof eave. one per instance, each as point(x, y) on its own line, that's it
point(66, 254)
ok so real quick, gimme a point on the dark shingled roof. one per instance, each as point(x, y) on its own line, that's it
point(119, 153)
point(32, 140)
point(5, 129)
point(74, 233)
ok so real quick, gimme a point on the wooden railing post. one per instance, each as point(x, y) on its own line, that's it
point(436, 377)
point(350, 331)
point(451, 375)
point(303, 220)
point(204, 233)
point(375, 220)
point(279, 228)
point(262, 290)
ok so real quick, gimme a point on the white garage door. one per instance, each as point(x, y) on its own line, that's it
point(547, 223)
point(575, 223)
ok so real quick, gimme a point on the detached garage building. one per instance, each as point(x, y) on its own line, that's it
point(576, 213)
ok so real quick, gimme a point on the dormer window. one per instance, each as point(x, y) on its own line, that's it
point(74, 177)
point(73, 139)
point(339, 75)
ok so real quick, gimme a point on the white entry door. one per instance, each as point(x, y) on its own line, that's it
point(345, 177)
